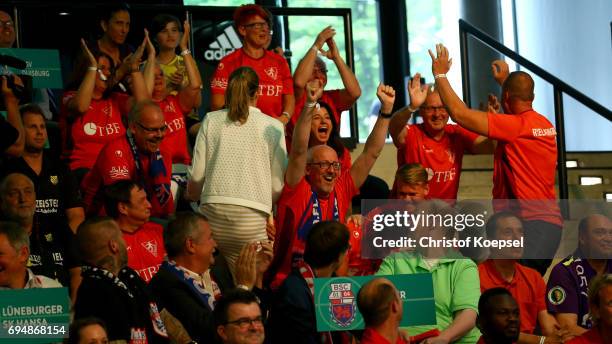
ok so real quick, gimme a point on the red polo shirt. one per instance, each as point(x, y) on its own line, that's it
point(527, 287)
point(370, 336)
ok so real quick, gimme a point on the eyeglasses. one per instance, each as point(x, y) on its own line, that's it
point(8, 23)
point(257, 26)
point(161, 129)
point(244, 323)
point(324, 165)
point(433, 108)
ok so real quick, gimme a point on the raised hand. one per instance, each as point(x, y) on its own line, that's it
point(184, 43)
point(7, 92)
point(493, 104)
point(441, 63)
point(264, 256)
point(386, 95)
point(323, 36)
point(417, 92)
point(92, 60)
point(314, 91)
point(331, 53)
point(500, 71)
point(149, 45)
point(246, 266)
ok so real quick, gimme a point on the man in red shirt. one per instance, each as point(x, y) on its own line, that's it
point(382, 309)
point(126, 202)
point(435, 144)
point(275, 96)
point(315, 190)
point(137, 157)
point(525, 284)
point(525, 158)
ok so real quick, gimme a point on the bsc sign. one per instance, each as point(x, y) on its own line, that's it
point(336, 301)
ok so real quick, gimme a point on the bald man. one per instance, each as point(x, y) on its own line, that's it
point(315, 189)
point(138, 156)
point(381, 307)
point(566, 296)
point(525, 159)
point(110, 290)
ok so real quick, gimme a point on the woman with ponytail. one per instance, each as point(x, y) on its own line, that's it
point(238, 167)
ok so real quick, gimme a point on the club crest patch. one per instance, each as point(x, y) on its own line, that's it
point(342, 304)
point(556, 295)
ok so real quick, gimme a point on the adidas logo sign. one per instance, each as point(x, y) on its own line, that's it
point(225, 43)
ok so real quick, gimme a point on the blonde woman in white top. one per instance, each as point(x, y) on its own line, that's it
point(238, 167)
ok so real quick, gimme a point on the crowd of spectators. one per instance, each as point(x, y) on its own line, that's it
point(230, 253)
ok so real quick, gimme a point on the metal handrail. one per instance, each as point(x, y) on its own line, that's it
point(559, 87)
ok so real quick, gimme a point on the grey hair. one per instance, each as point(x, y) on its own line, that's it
point(17, 236)
point(138, 108)
point(183, 226)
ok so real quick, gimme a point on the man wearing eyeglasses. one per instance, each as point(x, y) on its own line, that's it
point(435, 144)
point(138, 157)
point(238, 318)
point(315, 187)
point(7, 30)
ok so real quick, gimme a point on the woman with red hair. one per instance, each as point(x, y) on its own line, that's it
point(275, 94)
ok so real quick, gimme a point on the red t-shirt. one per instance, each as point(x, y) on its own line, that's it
point(84, 136)
point(175, 140)
point(527, 287)
point(525, 162)
point(116, 162)
point(442, 159)
point(294, 209)
point(370, 336)
point(145, 249)
point(358, 266)
point(589, 337)
point(274, 78)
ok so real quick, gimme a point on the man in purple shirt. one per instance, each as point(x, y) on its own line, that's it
point(566, 295)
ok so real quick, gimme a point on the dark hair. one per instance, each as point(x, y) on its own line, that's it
point(484, 303)
point(80, 69)
point(334, 140)
point(244, 12)
point(159, 23)
point(17, 236)
point(118, 192)
point(374, 305)
point(184, 225)
point(31, 108)
point(325, 242)
point(241, 88)
point(90, 235)
point(493, 220)
point(227, 299)
point(74, 335)
point(109, 11)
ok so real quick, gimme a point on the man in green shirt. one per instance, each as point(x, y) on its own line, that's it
point(456, 284)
